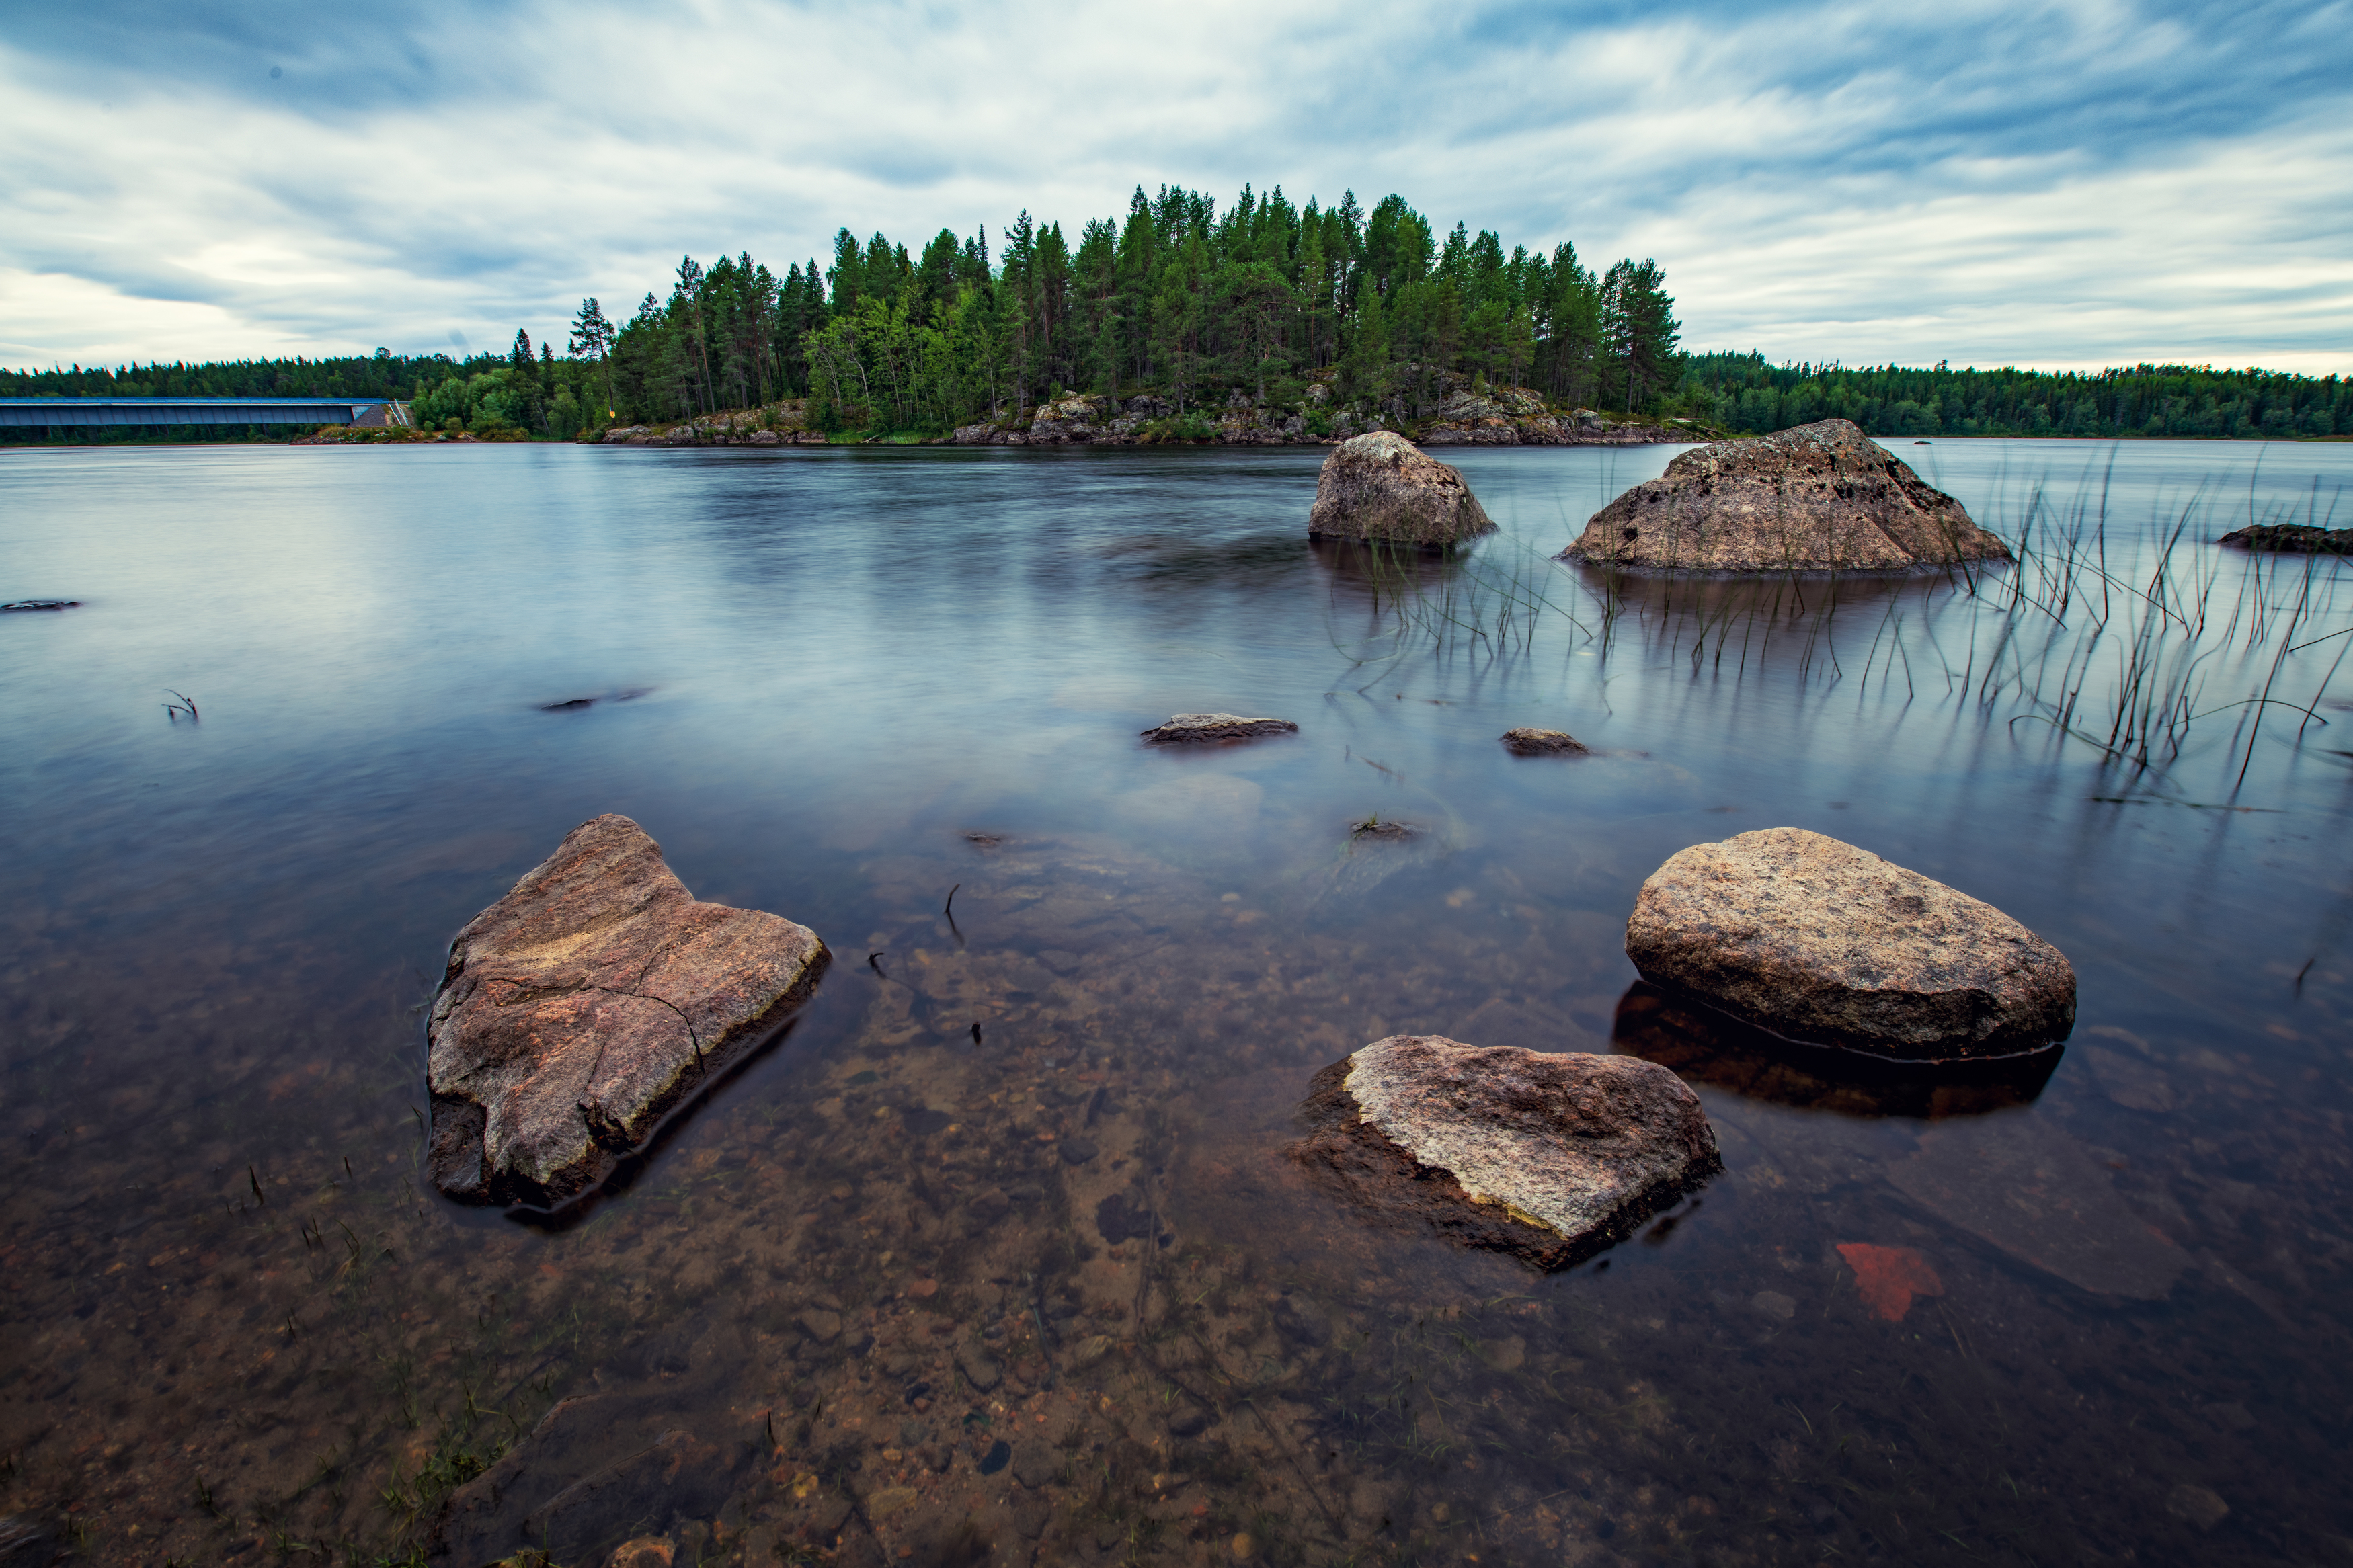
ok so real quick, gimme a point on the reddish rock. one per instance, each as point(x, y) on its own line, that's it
point(1888, 1278)
point(1548, 1157)
point(585, 1004)
point(1822, 497)
point(1383, 490)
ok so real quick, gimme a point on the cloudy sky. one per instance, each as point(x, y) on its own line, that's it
point(2073, 184)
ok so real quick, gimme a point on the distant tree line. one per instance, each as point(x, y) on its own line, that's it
point(1742, 392)
point(1200, 308)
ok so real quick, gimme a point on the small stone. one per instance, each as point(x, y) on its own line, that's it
point(2135, 1084)
point(1243, 1546)
point(1088, 1350)
point(2231, 1416)
point(1506, 1354)
point(981, 1372)
point(1302, 1321)
point(645, 1552)
point(1190, 729)
point(987, 1204)
point(2197, 1504)
point(923, 1290)
point(1773, 1304)
point(1035, 1466)
point(882, 1504)
point(1188, 1421)
point(1524, 742)
point(999, 1455)
point(1078, 1151)
point(820, 1325)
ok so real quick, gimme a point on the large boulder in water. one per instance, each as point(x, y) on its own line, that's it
point(1820, 941)
point(1381, 488)
point(1822, 497)
point(585, 1004)
point(1549, 1157)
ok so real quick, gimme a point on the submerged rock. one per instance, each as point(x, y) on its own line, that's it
point(1188, 729)
point(1821, 497)
point(584, 1481)
point(584, 1005)
point(2021, 1184)
point(1381, 488)
point(1549, 1157)
point(1526, 742)
point(1823, 942)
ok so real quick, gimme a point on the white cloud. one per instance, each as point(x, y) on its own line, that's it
point(2074, 184)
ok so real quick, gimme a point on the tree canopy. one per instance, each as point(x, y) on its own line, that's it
point(1199, 306)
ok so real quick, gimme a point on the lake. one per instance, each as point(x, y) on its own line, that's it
point(2090, 1308)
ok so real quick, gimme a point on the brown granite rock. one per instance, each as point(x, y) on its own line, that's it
point(587, 1004)
point(1381, 488)
point(1821, 497)
point(1548, 1157)
point(1820, 941)
point(1190, 729)
point(1527, 742)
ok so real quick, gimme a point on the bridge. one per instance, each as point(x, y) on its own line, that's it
point(87, 411)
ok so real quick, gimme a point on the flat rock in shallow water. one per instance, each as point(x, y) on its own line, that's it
point(1549, 1157)
point(1526, 742)
point(2021, 1184)
point(1186, 729)
point(1821, 497)
point(584, 1005)
point(2300, 538)
point(1823, 942)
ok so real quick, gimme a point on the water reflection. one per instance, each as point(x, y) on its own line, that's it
point(1705, 1045)
point(882, 1272)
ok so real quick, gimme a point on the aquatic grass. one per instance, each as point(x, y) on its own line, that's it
point(2128, 639)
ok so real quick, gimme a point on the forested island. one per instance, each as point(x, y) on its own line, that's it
point(1183, 323)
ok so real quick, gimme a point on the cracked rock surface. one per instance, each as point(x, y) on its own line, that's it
point(1551, 1157)
point(585, 1004)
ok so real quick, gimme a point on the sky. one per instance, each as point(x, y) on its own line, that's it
point(2069, 185)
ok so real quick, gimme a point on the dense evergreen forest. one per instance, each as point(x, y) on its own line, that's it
point(1262, 303)
point(1742, 392)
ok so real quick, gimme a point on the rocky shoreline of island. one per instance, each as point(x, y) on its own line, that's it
point(1459, 413)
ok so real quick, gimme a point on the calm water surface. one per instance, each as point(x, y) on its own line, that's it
point(1047, 1291)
